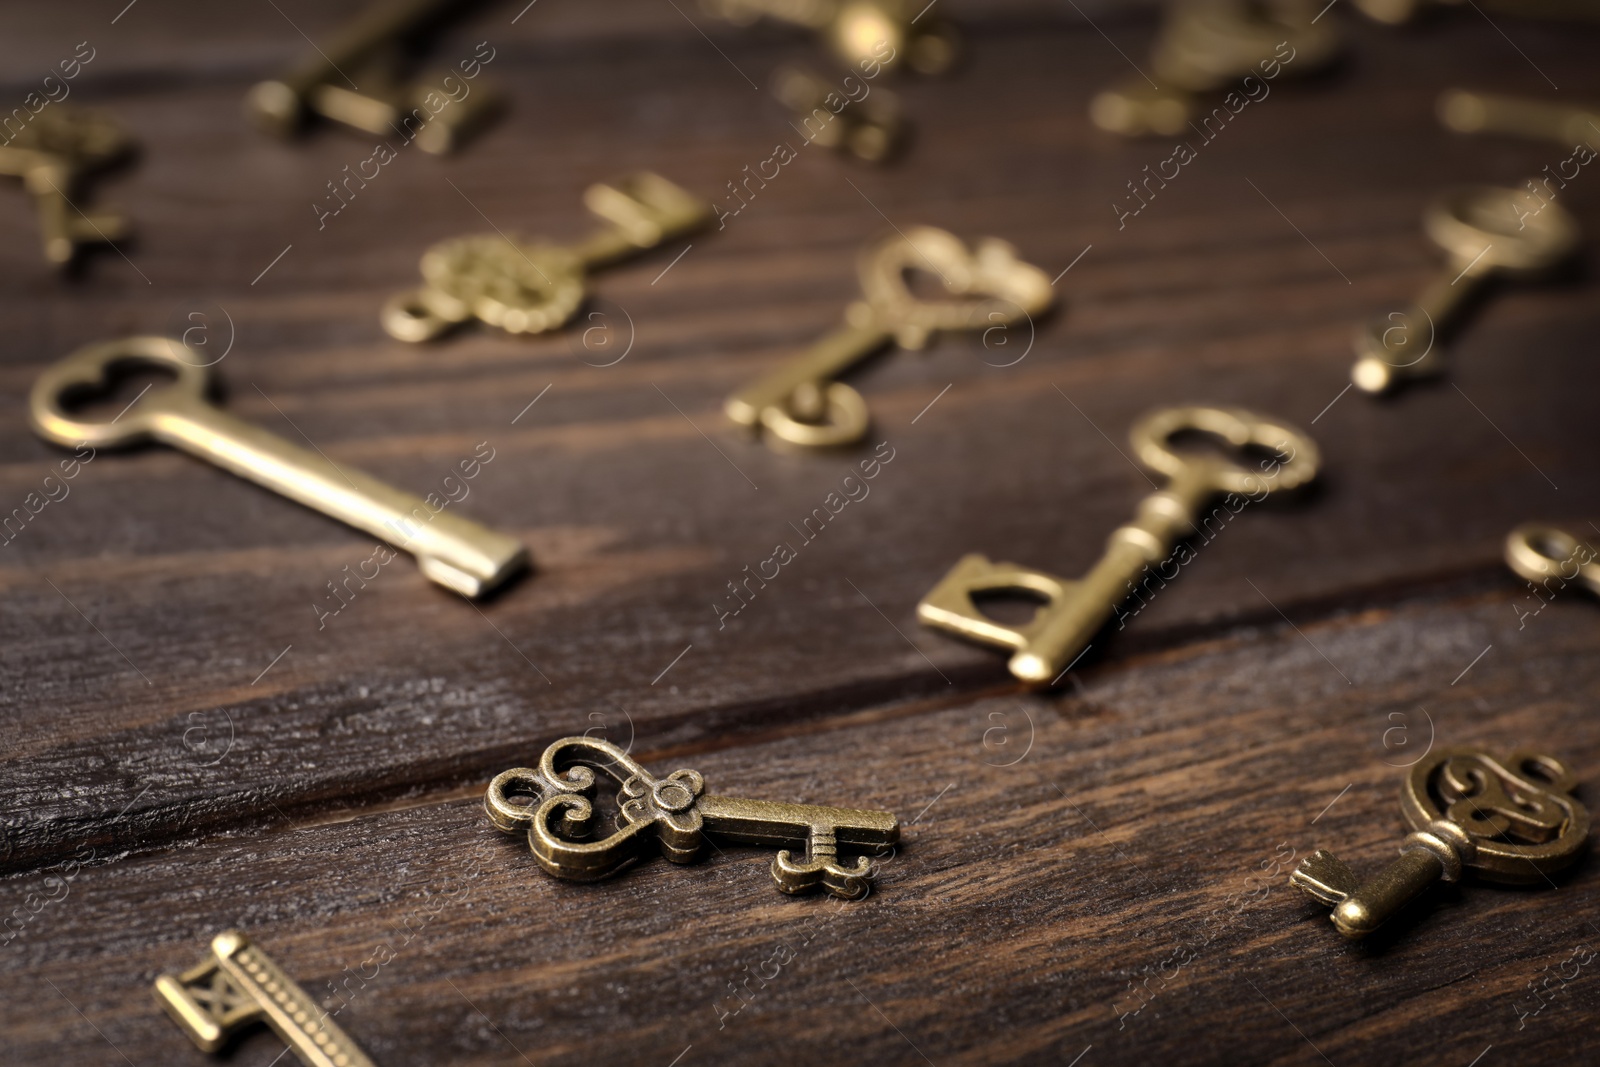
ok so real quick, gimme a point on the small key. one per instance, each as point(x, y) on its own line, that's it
point(802, 404)
point(534, 288)
point(1540, 553)
point(1206, 45)
point(239, 986)
point(678, 816)
point(1512, 823)
point(453, 551)
point(1485, 230)
point(864, 35)
point(353, 82)
point(53, 154)
point(1073, 611)
point(872, 129)
point(1469, 112)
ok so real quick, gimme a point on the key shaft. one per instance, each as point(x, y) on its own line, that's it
point(775, 823)
point(778, 392)
point(1470, 112)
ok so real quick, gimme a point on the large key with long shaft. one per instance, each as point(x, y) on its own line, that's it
point(238, 986)
point(1512, 823)
point(554, 806)
point(1074, 611)
point(453, 551)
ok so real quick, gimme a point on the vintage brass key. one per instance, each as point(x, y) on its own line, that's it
point(677, 815)
point(238, 986)
point(1485, 230)
point(1470, 112)
point(1512, 823)
point(860, 33)
point(533, 288)
point(1541, 553)
point(53, 154)
point(353, 81)
point(802, 404)
point(1206, 45)
point(453, 551)
point(1073, 611)
point(872, 129)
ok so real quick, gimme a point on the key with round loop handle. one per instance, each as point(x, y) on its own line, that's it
point(534, 288)
point(52, 154)
point(1073, 611)
point(455, 552)
point(1511, 823)
point(238, 986)
point(676, 814)
point(1485, 230)
point(1541, 553)
point(802, 404)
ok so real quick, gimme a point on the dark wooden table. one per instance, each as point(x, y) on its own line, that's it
point(1089, 876)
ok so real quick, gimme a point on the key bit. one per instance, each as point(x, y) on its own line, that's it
point(1074, 611)
point(554, 805)
point(803, 405)
point(239, 986)
point(1510, 823)
point(452, 551)
point(54, 154)
point(355, 81)
point(1484, 230)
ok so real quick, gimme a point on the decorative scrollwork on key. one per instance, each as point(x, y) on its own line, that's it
point(554, 806)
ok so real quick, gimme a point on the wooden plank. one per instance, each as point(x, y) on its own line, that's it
point(1105, 867)
point(145, 609)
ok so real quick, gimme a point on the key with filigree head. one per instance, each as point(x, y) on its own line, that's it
point(1484, 230)
point(354, 81)
point(1073, 611)
point(554, 806)
point(238, 986)
point(529, 288)
point(802, 404)
point(53, 154)
point(1510, 823)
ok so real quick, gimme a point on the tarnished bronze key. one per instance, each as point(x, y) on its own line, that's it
point(1485, 230)
point(1511, 823)
point(1470, 112)
point(677, 815)
point(1073, 611)
point(803, 404)
point(860, 33)
point(368, 52)
point(239, 986)
point(52, 154)
point(453, 551)
point(533, 288)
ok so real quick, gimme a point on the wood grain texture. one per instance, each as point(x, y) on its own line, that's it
point(316, 802)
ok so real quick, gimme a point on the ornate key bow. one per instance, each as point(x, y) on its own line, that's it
point(676, 813)
point(1513, 823)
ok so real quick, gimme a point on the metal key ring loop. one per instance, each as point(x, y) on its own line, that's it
point(1151, 440)
point(1534, 550)
point(844, 423)
point(1483, 220)
point(89, 368)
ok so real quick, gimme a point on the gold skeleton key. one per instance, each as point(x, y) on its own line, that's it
point(533, 288)
point(353, 81)
point(862, 34)
point(802, 404)
point(1204, 46)
point(1485, 230)
point(1513, 823)
point(1540, 553)
point(1073, 611)
point(453, 551)
point(1469, 112)
point(52, 155)
point(238, 986)
point(872, 129)
point(677, 815)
